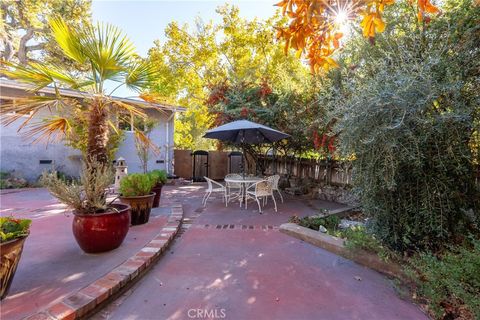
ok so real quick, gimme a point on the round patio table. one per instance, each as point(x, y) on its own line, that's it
point(244, 182)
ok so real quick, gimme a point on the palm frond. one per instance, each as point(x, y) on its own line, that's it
point(68, 39)
point(145, 142)
point(38, 76)
point(108, 50)
point(47, 130)
point(131, 107)
point(26, 74)
point(139, 74)
point(25, 108)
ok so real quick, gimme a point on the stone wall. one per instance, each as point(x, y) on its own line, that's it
point(336, 194)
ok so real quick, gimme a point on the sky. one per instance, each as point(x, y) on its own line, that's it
point(145, 21)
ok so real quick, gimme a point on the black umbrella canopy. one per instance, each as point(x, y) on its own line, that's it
point(245, 132)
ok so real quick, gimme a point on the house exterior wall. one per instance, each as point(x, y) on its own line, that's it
point(22, 157)
point(161, 135)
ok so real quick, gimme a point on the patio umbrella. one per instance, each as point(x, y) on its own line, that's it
point(245, 132)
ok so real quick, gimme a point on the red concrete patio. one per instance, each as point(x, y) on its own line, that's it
point(229, 261)
point(234, 262)
point(52, 264)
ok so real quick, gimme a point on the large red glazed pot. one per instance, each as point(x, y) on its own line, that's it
point(102, 232)
point(10, 251)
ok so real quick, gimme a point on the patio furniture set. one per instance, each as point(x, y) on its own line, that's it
point(244, 188)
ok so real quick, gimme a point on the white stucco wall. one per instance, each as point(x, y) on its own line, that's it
point(20, 156)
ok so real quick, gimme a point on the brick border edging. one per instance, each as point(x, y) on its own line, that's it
point(86, 300)
point(337, 246)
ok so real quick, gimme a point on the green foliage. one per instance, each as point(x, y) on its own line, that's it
point(282, 109)
point(358, 237)
point(450, 282)
point(87, 197)
point(9, 181)
point(194, 58)
point(158, 176)
point(11, 228)
point(24, 31)
point(408, 109)
point(330, 222)
point(136, 184)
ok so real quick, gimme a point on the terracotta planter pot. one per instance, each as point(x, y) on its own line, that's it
point(158, 192)
point(102, 232)
point(10, 253)
point(141, 207)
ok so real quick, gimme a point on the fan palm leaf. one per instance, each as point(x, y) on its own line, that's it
point(52, 129)
point(110, 55)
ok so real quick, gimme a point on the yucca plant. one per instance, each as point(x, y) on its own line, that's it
point(110, 56)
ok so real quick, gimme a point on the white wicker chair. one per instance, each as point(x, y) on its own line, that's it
point(260, 191)
point(274, 181)
point(214, 187)
point(234, 189)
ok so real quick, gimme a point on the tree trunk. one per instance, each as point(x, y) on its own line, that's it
point(98, 132)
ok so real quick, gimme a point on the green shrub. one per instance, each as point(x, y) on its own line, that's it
point(88, 196)
point(159, 176)
point(409, 122)
point(11, 228)
point(9, 181)
point(330, 222)
point(358, 237)
point(450, 282)
point(136, 184)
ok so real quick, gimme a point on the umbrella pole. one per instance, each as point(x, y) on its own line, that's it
point(242, 141)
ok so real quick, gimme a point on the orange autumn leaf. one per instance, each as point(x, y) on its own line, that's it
point(312, 29)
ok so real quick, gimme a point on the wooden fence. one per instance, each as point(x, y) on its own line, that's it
point(321, 171)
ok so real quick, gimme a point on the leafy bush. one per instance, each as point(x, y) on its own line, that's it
point(136, 184)
point(450, 282)
point(11, 228)
point(330, 222)
point(88, 197)
point(408, 111)
point(159, 176)
point(358, 237)
point(8, 181)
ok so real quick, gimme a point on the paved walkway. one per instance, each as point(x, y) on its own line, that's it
point(232, 263)
point(52, 265)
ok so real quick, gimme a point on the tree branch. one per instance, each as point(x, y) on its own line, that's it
point(39, 46)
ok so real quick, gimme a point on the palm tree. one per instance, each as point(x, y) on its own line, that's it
point(109, 56)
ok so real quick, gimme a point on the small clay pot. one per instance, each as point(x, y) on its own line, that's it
point(141, 207)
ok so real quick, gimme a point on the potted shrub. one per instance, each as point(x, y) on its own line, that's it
point(136, 191)
point(97, 226)
point(160, 178)
point(13, 233)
